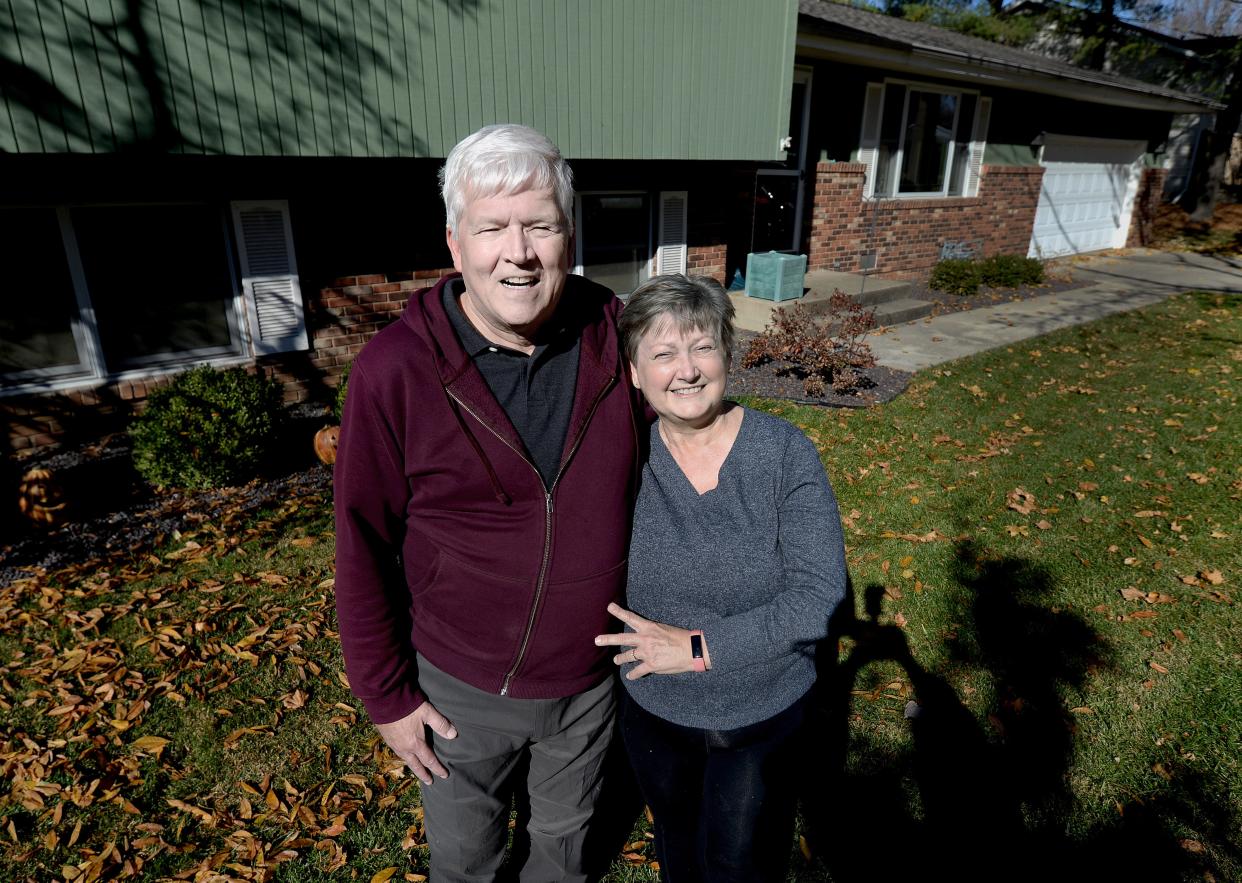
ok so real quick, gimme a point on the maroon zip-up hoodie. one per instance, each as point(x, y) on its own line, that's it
point(446, 540)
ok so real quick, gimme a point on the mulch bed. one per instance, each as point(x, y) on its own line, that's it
point(882, 384)
point(774, 381)
point(1058, 278)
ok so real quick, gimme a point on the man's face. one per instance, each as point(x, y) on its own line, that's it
point(513, 253)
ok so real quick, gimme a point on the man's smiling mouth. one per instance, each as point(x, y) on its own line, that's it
point(519, 282)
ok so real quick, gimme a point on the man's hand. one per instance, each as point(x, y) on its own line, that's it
point(407, 738)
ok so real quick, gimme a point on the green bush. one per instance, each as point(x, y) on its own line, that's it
point(1010, 271)
point(206, 429)
point(338, 407)
point(955, 276)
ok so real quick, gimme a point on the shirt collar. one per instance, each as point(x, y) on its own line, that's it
point(475, 343)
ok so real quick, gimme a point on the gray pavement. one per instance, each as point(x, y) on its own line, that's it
point(1118, 283)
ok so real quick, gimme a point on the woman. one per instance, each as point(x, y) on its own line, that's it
point(736, 564)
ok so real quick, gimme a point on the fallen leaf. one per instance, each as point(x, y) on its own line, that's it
point(1132, 594)
point(383, 876)
point(1021, 500)
point(1083, 709)
point(150, 744)
point(1158, 667)
point(1215, 577)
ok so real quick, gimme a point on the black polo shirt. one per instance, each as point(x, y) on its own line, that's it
point(536, 390)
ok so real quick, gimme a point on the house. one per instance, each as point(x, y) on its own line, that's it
point(252, 182)
point(928, 142)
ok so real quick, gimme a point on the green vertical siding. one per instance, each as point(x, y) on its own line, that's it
point(639, 79)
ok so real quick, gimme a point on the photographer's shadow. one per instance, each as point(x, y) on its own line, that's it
point(958, 797)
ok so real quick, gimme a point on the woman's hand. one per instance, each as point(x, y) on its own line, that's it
point(657, 648)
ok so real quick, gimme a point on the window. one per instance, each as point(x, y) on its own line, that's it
point(39, 317)
point(614, 230)
point(922, 140)
point(159, 281)
point(96, 292)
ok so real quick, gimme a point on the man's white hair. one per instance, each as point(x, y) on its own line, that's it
point(502, 160)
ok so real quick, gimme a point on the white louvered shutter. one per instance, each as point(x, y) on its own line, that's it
point(869, 140)
point(270, 276)
point(671, 248)
point(978, 140)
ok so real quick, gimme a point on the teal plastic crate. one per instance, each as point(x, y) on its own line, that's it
point(775, 276)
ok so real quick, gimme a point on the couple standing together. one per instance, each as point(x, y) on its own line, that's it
point(504, 505)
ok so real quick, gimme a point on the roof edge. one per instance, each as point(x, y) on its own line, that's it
point(930, 60)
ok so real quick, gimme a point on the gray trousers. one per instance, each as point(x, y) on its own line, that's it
point(564, 741)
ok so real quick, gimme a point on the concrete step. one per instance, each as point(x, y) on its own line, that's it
point(867, 290)
point(887, 296)
point(905, 309)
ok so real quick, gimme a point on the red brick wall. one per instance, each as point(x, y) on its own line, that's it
point(707, 260)
point(906, 234)
point(1146, 202)
point(339, 321)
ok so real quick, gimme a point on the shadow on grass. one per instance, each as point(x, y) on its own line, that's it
point(983, 797)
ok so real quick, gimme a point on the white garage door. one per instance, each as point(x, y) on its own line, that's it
point(1086, 196)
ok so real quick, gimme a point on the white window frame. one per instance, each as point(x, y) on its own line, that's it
point(92, 369)
point(895, 161)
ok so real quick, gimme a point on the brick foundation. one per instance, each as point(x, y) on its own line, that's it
point(906, 234)
point(1146, 202)
point(707, 260)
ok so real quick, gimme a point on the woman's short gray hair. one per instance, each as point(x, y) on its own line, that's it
point(502, 160)
point(692, 303)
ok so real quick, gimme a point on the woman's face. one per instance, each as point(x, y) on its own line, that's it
point(682, 375)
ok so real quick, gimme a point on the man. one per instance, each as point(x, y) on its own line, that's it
point(484, 483)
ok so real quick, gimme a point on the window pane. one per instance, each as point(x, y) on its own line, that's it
point(37, 306)
point(158, 278)
point(925, 147)
point(890, 138)
point(961, 148)
point(615, 235)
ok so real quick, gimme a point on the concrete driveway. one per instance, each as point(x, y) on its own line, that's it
point(1116, 283)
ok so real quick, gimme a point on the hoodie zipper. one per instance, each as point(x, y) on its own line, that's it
point(547, 520)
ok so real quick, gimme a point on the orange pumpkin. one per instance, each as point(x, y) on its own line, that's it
point(325, 444)
point(40, 498)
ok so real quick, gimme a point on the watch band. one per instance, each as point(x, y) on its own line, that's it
point(696, 650)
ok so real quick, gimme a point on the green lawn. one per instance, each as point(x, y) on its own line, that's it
point(1042, 672)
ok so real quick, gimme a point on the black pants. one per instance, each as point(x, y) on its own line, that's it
point(723, 800)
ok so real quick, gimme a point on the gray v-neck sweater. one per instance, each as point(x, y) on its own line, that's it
point(758, 563)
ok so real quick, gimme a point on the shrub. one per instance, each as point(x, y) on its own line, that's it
point(828, 351)
point(206, 429)
point(1010, 271)
point(338, 406)
point(955, 276)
